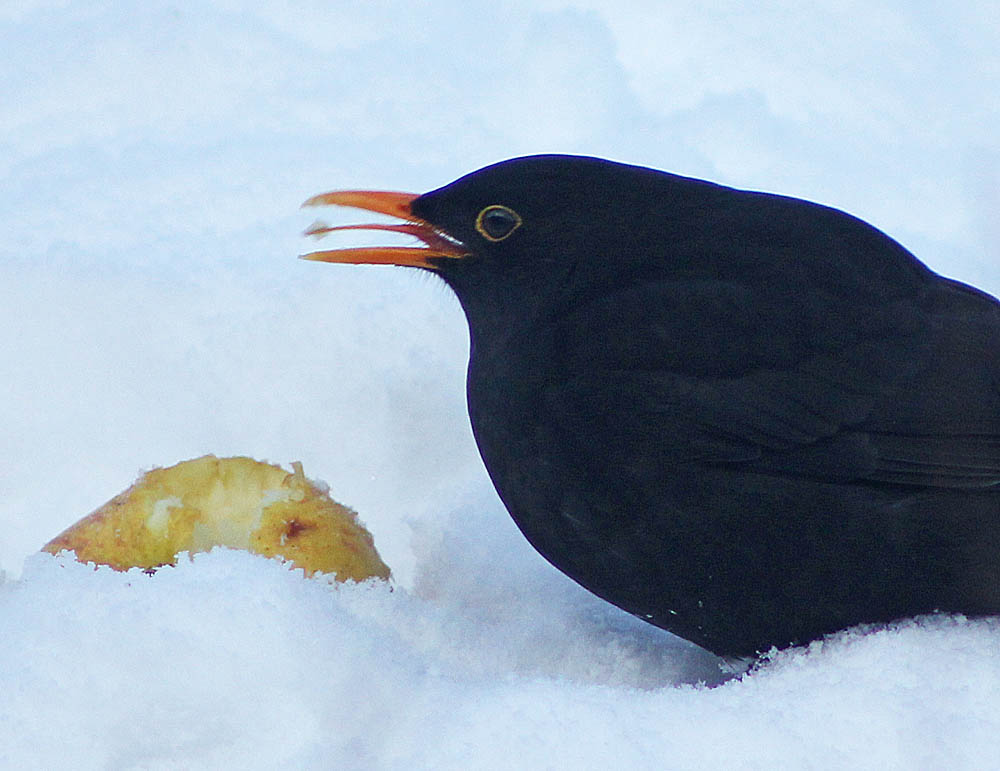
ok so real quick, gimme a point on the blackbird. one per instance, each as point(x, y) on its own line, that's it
point(745, 418)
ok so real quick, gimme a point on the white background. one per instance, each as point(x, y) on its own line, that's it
point(152, 161)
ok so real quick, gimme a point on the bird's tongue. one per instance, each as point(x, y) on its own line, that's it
point(438, 245)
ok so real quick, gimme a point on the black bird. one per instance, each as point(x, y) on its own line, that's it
point(745, 418)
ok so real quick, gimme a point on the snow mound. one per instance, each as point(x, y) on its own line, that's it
point(232, 660)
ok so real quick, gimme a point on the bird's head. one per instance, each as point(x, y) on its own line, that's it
point(515, 239)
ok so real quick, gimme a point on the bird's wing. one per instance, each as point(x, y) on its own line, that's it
point(897, 402)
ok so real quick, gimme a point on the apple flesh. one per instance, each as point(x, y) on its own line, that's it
point(237, 502)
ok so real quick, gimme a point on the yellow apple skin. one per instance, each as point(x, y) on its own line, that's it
point(237, 502)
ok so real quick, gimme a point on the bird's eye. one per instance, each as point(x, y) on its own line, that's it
point(497, 222)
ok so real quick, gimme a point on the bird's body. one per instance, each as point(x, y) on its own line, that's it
point(745, 418)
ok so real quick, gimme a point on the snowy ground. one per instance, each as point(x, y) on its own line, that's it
point(152, 161)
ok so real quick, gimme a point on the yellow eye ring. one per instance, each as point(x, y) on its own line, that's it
point(496, 222)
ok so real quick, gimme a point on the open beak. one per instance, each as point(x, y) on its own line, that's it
point(437, 243)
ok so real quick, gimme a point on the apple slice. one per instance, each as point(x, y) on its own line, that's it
point(236, 502)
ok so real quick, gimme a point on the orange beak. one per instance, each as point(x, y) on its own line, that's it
point(437, 243)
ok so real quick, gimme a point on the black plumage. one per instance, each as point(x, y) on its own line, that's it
point(748, 419)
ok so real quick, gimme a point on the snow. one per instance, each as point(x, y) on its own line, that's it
point(233, 661)
point(153, 159)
